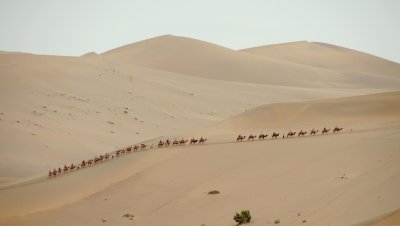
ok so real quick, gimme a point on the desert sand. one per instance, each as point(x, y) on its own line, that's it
point(57, 110)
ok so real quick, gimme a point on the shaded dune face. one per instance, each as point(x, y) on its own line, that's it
point(348, 110)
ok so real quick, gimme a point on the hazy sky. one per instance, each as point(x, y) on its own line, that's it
point(74, 27)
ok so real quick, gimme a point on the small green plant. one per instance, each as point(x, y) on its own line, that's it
point(213, 192)
point(242, 217)
point(128, 215)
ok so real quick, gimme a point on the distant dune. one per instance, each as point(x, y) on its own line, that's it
point(198, 58)
point(323, 55)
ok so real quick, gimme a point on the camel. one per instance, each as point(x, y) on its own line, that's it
point(193, 141)
point(89, 162)
point(290, 134)
point(325, 130)
point(275, 135)
point(175, 142)
point(302, 133)
point(167, 142)
point(337, 129)
point(262, 136)
point(240, 138)
point(136, 147)
point(251, 137)
point(128, 149)
point(313, 132)
point(143, 146)
point(54, 172)
point(160, 144)
point(183, 141)
point(202, 140)
point(66, 168)
point(50, 173)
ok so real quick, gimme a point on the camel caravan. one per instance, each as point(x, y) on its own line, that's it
point(118, 153)
point(275, 135)
point(175, 142)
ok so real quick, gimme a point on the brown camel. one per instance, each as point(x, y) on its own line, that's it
point(325, 130)
point(202, 140)
point(337, 129)
point(143, 146)
point(183, 141)
point(136, 147)
point(240, 138)
point(275, 135)
point(193, 141)
point(66, 168)
point(302, 133)
point(160, 144)
point(313, 132)
point(175, 142)
point(251, 137)
point(262, 136)
point(167, 142)
point(290, 134)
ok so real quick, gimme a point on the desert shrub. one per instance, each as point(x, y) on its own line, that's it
point(128, 215)
point(277, 221)
point(213, 192)
point(242, 217)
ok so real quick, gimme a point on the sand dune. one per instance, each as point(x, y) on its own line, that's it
point(391, 220)
point(349, 111)
point(197, 58)
point(338, 179)
point(66, 109)
point(323, 55)
point(57, 110)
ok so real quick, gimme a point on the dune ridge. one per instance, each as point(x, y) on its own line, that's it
point(324, 55)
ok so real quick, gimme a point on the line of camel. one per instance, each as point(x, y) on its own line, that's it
point(289, 134)
point(135, 148)
point(118, 153)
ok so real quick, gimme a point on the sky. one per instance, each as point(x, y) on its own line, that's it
point(75, 27)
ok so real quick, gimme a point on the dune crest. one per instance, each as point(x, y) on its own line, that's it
point(323, 55)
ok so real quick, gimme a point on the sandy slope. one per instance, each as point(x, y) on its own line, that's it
point(340, 179)
point(349, 111)
point(55, 110)
point(392, 220)
point(328, 56)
